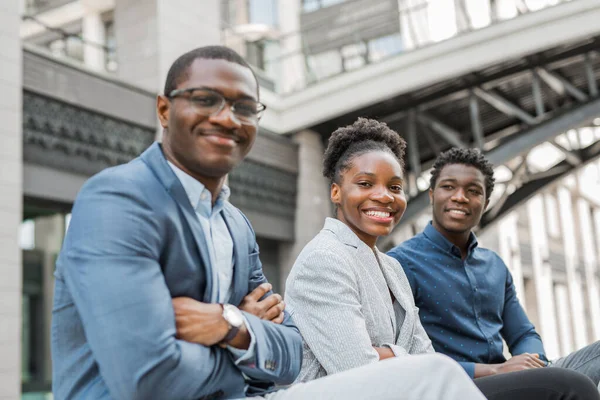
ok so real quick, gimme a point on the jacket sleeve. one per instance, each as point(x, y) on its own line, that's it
point(518, 332)
point(323, 298)
point(110, 262)
point(278, 351)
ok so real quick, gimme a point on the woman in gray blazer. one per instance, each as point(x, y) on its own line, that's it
point(352, 303)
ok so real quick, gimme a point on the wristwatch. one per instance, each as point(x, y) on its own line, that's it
point(234, 318)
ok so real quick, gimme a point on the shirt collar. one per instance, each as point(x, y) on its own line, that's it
point(440, 240)
point(200, 197)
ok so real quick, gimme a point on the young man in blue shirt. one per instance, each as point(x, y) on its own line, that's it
point(465, 293)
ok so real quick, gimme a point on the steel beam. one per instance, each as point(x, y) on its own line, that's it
point(570, 156)
point(537, 93)
point(557, 169)
point(522, 144)
point(504, 106)
point(449, 134)
point(430, 140)
point(515, 180)
point(567, 86)
point(529, 189)
point(476, 120)
point(590, 76)
point(413, 144)
point(528, 139)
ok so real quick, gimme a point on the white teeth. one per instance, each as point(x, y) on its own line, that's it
point(458, 212)
point(378, 214)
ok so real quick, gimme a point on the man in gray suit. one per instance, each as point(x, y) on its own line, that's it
point(159, 282)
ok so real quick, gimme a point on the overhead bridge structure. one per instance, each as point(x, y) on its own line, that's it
point(505, 89)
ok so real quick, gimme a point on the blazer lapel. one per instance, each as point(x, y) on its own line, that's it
point(155, 159)
point(401, 291)
point(367, 258)
point(240, 257)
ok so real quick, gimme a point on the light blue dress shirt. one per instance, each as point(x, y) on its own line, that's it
point(216, 232)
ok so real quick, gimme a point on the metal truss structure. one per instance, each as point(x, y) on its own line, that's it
point(506, 110)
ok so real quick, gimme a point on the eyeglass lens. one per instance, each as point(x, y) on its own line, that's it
point(210, 103)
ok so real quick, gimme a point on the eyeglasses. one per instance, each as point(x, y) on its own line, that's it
point(209, 102)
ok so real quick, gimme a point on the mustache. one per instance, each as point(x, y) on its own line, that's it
point(230, 134)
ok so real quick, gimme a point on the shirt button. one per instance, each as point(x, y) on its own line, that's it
point(203, 196)
point(475, 289)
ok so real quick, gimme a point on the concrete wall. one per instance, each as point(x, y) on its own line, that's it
point(151, 34)
point(10, 201)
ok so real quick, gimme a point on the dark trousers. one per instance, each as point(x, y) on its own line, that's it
point(539, 384)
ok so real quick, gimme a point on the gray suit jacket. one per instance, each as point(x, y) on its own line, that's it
point(339, 298)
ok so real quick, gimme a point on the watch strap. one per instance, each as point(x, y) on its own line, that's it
point(233, 330)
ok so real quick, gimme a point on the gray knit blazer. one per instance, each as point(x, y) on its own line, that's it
point(339, 298)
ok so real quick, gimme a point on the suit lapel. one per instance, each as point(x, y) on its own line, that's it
point(388, 303)
point(401, 292)
point(367, 258)
point(240, 257)
point(156, 161)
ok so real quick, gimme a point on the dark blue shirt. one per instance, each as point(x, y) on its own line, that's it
point(466, 306)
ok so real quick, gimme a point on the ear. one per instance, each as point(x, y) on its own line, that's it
point(430, 196)
point(336, 196)
point(487, 202)
point(163, 106)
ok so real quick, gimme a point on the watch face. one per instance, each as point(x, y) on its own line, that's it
point(233, 315)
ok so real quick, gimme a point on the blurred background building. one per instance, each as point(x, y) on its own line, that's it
point(515, 78)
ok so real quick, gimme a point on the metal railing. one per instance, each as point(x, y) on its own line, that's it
point(422, 23)
point(64, 44)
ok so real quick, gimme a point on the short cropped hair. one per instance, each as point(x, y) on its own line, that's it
point(180, 68)
point(472, 157)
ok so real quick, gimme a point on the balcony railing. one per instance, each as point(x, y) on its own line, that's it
point(74, 46)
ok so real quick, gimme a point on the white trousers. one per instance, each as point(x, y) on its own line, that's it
point(422, 377)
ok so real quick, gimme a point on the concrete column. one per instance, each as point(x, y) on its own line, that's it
point(151, 34)
point(574, 284)
point(237, 18)
point(508, 237)
point(292, 68)
point(94, 34)
point(312, 204)
point(590, 261)
point(564, 320)
point(49, 234)
point(11, 201)
point(542, 274)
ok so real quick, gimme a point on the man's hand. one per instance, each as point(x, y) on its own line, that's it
point(517, 363)
point(520, 363)
point(198, 322)
point(270, 309)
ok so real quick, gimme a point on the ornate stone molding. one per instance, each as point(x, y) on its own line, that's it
point(65, 137)
point(263, 189)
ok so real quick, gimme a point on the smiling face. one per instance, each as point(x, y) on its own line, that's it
point(208, 147)
point(369, 197)
point(458, 201)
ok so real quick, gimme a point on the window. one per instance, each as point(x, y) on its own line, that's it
point(263, 12)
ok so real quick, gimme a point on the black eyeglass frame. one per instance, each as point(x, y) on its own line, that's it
point(260, 106)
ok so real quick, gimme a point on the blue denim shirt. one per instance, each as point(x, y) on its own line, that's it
point(466, 306)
